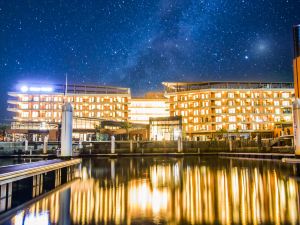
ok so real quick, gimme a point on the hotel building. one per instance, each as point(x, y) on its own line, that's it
point(244, 107)
point(152, 105)
point(38, 108)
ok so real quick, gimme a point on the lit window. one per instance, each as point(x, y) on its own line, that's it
point(35, 114)
point(195, 120)
point(36, 98)
point(24, 106)
point(25, 114)
point(218, 119)
point(231, 110)
point(25, 99)
point(35, 106)
point(218, 111)
point(276, 103)
point(232, 126)
point(277, 111)
point(285, 103)
point(218, 95)
point(218, 103)
point(230, 95)
point(285, 95)
point(232, 119)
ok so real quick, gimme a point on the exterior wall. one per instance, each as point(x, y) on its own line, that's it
point(211, 110)
point(41, 107)
point(141, 109)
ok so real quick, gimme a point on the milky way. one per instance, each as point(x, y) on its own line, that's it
point(140, 43)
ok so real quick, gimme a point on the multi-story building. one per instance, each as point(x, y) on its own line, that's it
point(152, 105)
point(39, 108)
point(210, 107)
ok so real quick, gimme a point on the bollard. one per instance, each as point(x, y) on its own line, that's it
point(26, 145)
point(230, 143)
point(113, 145)
point(80, 143)
point(131, 146)
point(179, 144)
point(45, 145)
point(112, 169)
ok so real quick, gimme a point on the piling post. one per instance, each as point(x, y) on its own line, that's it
point(26, 145)
point(131, 146)
point(113, 145)
point(45, 145)
point(230, 143)
point(66, 130)
point(179, 144)
point(112, 169)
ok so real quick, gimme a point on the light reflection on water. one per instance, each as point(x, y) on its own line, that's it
point(173, 191)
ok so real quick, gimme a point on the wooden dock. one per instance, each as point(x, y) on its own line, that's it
point(26, 181)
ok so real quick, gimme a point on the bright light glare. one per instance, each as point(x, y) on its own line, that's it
point(24, 88)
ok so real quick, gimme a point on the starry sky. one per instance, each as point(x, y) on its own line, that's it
point(140, 43)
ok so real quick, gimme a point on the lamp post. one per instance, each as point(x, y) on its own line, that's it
point(296, 104)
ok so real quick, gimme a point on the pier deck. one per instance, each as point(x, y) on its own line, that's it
point(22, 182)
point(17, 172)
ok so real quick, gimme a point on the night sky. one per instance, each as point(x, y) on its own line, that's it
point(140, 43)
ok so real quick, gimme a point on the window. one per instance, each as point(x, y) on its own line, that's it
point(35, 106)
point(277, 111)
point(25, 99)
point(232, 119)
point(35, 114)
point(24, 106)
point(285, 95)
point(218, 103)
point(218, 95)
point(276, 103)
point(36, 98)
point(218, 111)
point(25, 114)
point(285, 103)
point(232, 127)
point(230, 95)
point(196, 120)
point(218, 119)
point(231, 110)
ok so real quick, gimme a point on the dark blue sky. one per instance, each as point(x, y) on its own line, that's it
point(140, 43)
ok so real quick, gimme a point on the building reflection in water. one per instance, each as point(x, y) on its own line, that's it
point(173, 191)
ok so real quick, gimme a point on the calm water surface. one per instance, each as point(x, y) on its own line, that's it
point(188, 190)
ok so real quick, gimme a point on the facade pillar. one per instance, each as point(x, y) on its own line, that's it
point(296, 104)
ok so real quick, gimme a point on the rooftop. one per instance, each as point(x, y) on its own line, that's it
point(72, 89)
point(189, 86)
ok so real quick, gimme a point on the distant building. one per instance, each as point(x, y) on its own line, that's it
point(152, 105)
point(244, 107)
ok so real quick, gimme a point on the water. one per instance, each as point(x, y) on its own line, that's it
point(165, 190)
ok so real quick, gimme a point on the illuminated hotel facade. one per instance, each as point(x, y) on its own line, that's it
point(38, 108)
point(205, 108)
point(210, 107)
